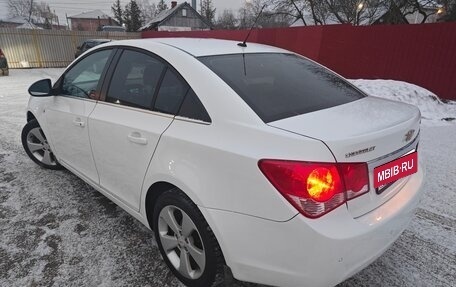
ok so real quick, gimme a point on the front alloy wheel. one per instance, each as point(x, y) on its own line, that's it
point(37, 147)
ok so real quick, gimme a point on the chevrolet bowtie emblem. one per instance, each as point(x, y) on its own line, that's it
point(409, 135)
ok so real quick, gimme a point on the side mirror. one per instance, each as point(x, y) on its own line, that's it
point(79, 47)
point(42, 88)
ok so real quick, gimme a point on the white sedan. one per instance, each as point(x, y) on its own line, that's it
point(251, 157)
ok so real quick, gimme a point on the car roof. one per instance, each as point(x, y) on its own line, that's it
point(199, 47)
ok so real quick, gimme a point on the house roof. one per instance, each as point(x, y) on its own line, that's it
point(373, 14)
point(15, 20)
point(430, 4)
point(21, 22)
point(29, 25)
point(166, 14)
point(91, 15)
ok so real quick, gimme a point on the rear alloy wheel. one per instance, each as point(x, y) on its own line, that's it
point(37, 147)
point(186, 242)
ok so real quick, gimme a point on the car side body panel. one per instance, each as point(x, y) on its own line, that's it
point(72, 147)
point(216, 166)
point(37, 106)
point(133, 132)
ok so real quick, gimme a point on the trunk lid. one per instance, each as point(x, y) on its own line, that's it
point(371, 130)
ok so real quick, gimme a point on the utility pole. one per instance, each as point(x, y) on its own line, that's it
point(57, 20)
point(30, 12)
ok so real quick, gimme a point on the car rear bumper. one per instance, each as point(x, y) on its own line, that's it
point(305, 252)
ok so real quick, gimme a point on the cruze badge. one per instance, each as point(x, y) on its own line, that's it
point(361, 151)
point(409, 135)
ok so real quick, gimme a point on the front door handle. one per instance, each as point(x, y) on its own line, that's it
point(78, 122)
point(135, 137)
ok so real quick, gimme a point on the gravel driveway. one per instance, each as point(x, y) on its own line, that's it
point(55, 230)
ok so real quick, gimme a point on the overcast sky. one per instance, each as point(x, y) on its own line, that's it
point(73, 7)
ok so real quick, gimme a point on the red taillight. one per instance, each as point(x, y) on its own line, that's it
point(316, 188)
point(356, 178)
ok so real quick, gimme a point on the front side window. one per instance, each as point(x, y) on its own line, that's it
point(278, 86)
point(82, 79)
point(135, 80)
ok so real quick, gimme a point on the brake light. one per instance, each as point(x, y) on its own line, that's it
point(322, 184)
point(316, 188)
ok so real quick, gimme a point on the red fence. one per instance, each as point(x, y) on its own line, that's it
point(421, 54)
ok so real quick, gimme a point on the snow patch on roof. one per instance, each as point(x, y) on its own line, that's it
point(91, 15)
point(162, 16)
point(430, 4)
point(16, 20)
point(29, 25)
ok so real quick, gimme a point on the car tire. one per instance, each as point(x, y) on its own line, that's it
point(37, 147)
point(186, 241)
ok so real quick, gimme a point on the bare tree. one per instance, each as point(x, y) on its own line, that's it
point(358, 11)
point(42, 14)
point(247, 14)
point(293, 8)
point(149, 10)
point(258, 10)
point(345, 11)
point(244, 18)
point(161, 6)
point(22, 8)
point(207, 10)
point(309, 12)
point(39, 13)
point(268, 15)
point(272, 20)
point(227, 20)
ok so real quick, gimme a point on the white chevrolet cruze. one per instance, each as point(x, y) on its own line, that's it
point(249, 157)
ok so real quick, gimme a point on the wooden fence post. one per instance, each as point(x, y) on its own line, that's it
point(37, 48)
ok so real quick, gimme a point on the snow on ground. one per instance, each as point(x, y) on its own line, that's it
point(55, 230)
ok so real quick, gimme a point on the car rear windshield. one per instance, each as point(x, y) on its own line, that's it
point(278, 86)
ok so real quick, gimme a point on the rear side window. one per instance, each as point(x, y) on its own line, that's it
point(135, 80)
point(171, 94)
point(192, 108)
point(278, 86)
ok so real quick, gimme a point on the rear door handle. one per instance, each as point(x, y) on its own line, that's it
point(135, 137)
point(78, 122)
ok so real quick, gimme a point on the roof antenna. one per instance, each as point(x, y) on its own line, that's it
point(244, 44)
